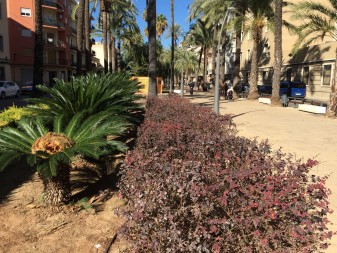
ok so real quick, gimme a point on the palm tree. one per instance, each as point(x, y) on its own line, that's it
point(87, 30)
point(212, 12)
point(162, 25)
point(51, 152)
point(275, 98)
point(319, 22)
point(259, 11)
point(80, 21)
point(200, 35)
point(172, 45)
point(38, 49)
point(151, 23)
point(103, 13)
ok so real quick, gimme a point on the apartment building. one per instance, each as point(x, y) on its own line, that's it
point(17, 23)
point(313, 65)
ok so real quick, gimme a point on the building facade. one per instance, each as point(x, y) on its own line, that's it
point(313, 65)
point(17, 25)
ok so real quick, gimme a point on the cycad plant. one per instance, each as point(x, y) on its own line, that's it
point(91, 94)
point(51, 152)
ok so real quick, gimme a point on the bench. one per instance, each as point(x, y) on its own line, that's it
point(315, 102)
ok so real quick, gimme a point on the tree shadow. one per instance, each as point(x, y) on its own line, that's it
point(308, 56)
point(13, 177)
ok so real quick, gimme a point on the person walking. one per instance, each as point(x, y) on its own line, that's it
point(191, 85)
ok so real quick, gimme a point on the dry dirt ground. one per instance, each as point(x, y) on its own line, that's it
point(28, 226)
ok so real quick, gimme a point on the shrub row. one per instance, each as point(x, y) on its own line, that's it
point(194, 186)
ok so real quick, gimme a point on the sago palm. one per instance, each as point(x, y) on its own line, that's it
point(51, 152)
point(91, 94)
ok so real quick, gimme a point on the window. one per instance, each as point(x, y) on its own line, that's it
point(1, 44)
point(26, 33)
point(26, 12)
point(326, 75)
point(288, 74)
point(305, 75)
point(2, 73)
point(264, 76)
point(248, 55)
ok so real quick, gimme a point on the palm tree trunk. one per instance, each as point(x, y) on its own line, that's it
point(104, 35)
point(275, 97)
point(151, 24)
point(172, 44)
point(215, 33)
point(222, 64)
point(113, 53)
point(87, 28)
point(38, 49)
point(205, 65)
point(57, 189)
point(119, 54)
point(79, 41)
point(237, 63)
point(332, 105)
point(253, 94)
point(110, 42)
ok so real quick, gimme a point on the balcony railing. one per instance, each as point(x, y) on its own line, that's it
point(55, 43)
point(52, 4)
point(52, 22)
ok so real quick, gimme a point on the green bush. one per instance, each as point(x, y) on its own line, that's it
point(12, 115)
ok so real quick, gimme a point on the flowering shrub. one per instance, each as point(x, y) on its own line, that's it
point(212, 191)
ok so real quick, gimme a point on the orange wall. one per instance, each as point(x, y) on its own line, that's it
point(19, 45)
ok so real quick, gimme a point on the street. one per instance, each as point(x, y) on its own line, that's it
point(10, 101)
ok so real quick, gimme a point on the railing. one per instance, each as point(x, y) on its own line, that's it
point(52, 4)
point(52, 22)
point(57, 43)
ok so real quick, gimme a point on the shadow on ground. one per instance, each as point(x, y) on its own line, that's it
point(13, 177)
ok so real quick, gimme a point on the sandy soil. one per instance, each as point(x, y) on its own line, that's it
point(28, 226)
point(305, 135)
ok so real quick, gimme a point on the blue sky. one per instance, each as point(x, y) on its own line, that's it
point(164, 7)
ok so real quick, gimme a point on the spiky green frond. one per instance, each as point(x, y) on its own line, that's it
point(318, 21)
point(90, 94)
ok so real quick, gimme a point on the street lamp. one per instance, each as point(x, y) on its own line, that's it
point(217, 71)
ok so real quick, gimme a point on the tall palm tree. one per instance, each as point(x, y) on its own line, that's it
point(87, 31)
point(80, 22)
point(104, 17)
point(151, 23)
point(259, 11)
point(213, 12)
point(319, 21)
point(275, 100)
point(172, 45)
point(38, 49)
point(200, 35)
point(162, 25)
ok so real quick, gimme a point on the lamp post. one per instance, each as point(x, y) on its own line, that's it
point(217, 71)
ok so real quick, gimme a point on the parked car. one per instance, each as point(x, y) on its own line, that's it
point(28, 87)
point(8, 89)
point(293, 89)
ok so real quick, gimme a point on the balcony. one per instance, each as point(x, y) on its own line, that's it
point(53, 4)
point(52, 22)
point(50, 42)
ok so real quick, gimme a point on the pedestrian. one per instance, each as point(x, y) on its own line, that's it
point(191, 85)
point(223, 89)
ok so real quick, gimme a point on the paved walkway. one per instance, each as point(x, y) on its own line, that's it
point(303, 134)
